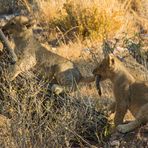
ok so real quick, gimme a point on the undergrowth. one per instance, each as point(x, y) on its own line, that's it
point(40, 119)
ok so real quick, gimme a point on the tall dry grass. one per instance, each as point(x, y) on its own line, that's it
point(93, 19)
point(96, 20)
point(40, 119)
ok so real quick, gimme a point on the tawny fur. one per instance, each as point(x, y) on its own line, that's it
point(32, 54)
point(129, 93)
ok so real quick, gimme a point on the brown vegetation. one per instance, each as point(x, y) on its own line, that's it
point(82, 31)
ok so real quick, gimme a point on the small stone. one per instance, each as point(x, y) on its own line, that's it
point(115, 143)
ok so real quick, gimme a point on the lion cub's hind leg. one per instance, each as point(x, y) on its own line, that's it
point(142, 118)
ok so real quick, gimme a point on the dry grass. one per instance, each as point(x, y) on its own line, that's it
point(95, 20)
point(39, 119)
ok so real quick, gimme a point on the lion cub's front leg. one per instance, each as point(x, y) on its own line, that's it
point(121, 109)
point(124, 128)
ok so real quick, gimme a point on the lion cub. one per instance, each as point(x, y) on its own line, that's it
point(31, 54)
point(129, 93)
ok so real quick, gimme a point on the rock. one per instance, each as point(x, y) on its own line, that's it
point(115, 143)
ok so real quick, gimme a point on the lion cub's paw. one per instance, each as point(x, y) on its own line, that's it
point(57, 89)
point(123, 128)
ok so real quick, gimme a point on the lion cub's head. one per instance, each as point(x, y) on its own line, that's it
point(18, 24)
point(107, 67)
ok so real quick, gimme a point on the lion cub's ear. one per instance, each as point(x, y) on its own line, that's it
point(111, 60)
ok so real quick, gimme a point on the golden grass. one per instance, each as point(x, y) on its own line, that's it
point(95, 19)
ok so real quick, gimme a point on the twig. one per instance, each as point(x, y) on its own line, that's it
point(73, 132)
